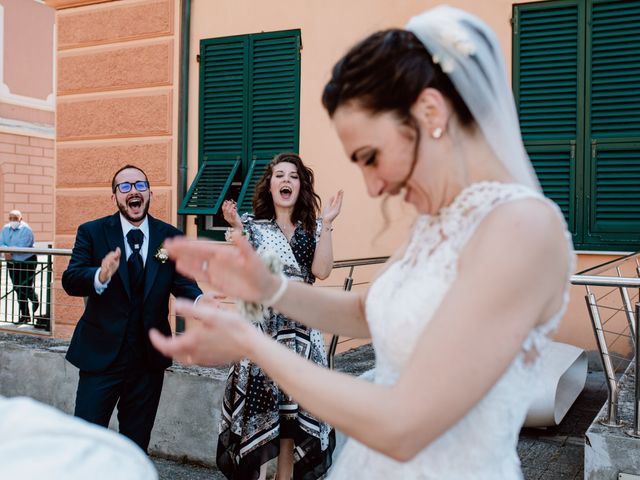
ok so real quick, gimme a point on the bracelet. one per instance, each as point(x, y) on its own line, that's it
point(228, 233)
point(275, 298)
point(327, 229)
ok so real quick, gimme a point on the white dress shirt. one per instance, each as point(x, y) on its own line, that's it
point(126, 227)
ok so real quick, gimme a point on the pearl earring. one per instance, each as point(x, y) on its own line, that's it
point(437, 133)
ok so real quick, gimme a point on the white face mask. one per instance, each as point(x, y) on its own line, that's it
point(14, 225)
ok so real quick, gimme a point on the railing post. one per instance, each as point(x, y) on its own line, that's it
point(612, 404)
point(624, 293)
point(635, 431)
point(49, 287)
point(47, 309)
point(628, 310)
point(638, 273)
point(333, 345)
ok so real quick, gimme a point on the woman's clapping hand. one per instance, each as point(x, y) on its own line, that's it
point(331, 211)
point(230, 213)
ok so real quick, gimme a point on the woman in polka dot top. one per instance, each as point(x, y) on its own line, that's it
point(259, 421)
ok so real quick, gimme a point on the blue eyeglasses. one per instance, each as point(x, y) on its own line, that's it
point(125, 187)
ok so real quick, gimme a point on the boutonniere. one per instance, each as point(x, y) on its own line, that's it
point(162, 255)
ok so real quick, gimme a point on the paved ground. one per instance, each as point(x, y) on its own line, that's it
point(557, 453)
point(551, 454)
point(547, 454)
point(180, 471)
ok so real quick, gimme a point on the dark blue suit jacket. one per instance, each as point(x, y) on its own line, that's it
point(101, 330)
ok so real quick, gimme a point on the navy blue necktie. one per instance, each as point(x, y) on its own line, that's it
point(135, 264)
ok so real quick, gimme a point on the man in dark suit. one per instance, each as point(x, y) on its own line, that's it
point(117, 264)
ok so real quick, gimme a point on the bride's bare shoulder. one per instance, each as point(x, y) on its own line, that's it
point(532, 226)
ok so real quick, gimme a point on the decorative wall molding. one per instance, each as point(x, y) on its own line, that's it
point(18, 127)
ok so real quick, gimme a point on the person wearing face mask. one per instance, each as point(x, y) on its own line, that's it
point(259, 420)
point(118, 265)
point(425, 111)
point(21, 266)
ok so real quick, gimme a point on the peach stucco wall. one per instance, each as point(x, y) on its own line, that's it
point(116, 104)
point(26, 114)
point(328, 29)
point(28, 48)
point(26, 181)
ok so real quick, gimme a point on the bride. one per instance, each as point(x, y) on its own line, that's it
point(481, 281)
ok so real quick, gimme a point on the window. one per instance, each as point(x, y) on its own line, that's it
point(249, 111)
point(576, 80)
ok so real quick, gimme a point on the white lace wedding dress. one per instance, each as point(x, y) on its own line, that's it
point(481, 445)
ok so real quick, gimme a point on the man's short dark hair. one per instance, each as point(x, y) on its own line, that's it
point(126, 167)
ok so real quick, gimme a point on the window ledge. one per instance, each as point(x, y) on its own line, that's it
point(603, 252)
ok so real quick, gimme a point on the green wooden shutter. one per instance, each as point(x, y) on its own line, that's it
point(274, 105)
point(223, 98)
point(207, 192)
point(553, 165)
point(613, 123)
point(547, 81)
point(249, 111)
point(222, 128)
point(245, 199)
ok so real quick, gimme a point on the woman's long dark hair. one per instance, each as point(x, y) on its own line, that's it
point(307, 206)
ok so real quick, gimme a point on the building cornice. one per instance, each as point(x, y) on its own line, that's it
point(60, 4)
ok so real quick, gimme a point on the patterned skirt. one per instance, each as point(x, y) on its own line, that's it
point(256, 414)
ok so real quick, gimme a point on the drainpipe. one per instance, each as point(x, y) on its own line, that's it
point(183, 107)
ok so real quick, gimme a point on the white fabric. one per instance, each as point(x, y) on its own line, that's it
point(97, 284)
point(469, 53)
point(563, 371)
point(482, 445)
point(39, 442)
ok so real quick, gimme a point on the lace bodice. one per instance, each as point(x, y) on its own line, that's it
point(482, 445)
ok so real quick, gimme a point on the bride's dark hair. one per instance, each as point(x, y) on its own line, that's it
point(308, 204)
point(386, 72)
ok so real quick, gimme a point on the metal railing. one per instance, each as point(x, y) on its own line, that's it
point(348, 283)
point(347, 286)
point(601, 283)
point(26, 288)
point(56, 308)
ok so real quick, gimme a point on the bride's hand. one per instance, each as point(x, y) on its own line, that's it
point(232, 270)
point(213, 336)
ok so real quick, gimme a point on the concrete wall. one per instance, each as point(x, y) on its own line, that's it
point(186, 426)
point(610, 451)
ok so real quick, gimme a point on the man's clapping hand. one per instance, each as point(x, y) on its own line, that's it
point(109, 266)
